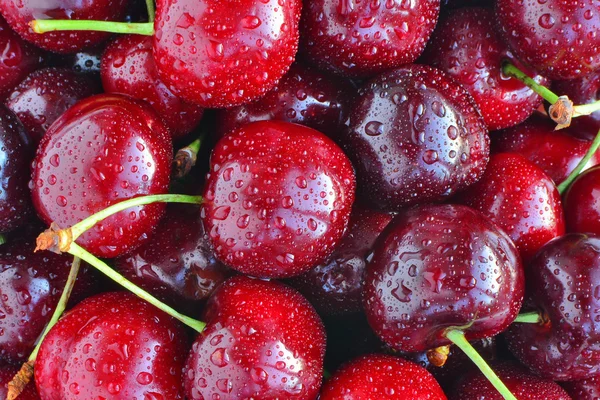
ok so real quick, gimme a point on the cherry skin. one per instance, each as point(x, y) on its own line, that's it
point(415, 136)
point(557, 37)
point(581, 203)
point(105, 149)
point(562, 283)
point(362, 39)
point(7, 372)
point(557, 153)
point(382, 377)
point(466, 46)
point(45, 95)
point(438, 267)
point(112, 346)
point(277, 198)
point(586, 389)
point(263, 341)
point(128, 67)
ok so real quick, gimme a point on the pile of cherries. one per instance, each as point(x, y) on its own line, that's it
point(367, 199)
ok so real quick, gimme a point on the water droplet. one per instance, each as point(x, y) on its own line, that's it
point(374, 128)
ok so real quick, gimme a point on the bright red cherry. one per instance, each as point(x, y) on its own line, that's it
point(105, 149)
point(364, 38)
point(7, 372)
point(112, 346)
point(581, 203)
point(263, 341)
point(277, 198)
point(586, 389)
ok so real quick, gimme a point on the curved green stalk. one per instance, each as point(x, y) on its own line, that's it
point(567, 182)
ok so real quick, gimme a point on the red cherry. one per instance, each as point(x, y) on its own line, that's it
point(382, 377)
point(263, 341)
point(277, 199)
point(364, 38)
point(587, 389)
point(128, 67)
point(582, 213)
point(7, 372)
point(112, 346)
point(104, 149)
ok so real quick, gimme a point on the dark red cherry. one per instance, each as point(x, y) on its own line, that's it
point(19, 13)
point(586, 389)
point(556, 37)
point(581, 200)
point(521, 199)
point(176, 264)
point(364, 38)
point(105, 149)
point(128, 67)
point(304, 96)
point(557, 153)
point(562, 283)
point(45, 95)
point(384, 377)
point(277, 198)
point(7, 372)
point(437, 267)
point(521, 383)
point(112, 346)
point(415, 136)
point(222, 54)
point(263, 341)
point(466, 46)
point(335, 286)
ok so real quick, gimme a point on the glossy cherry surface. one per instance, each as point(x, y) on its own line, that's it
point(437, 267)
point(364, 38)
point(383, 377)
point(263, 340)
point(128, 67)
point(277, 198)
point(112, 346)
point(415, 136)
point(586, 389)
point(582, 90)
point(581, 200)
point(105, 149)
point(7, 372)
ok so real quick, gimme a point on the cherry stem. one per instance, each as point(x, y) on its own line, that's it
point(512, 71)
point(458, 338)
point(101, 266)
point(567, 182)
point(586, 109)
point(50, 25)
point(2, 239)
point(150, 8)
point(529, 318)
point(186, 157)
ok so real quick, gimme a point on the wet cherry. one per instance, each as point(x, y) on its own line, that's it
point(7, 372)
point(581, 203)
point(586, 389)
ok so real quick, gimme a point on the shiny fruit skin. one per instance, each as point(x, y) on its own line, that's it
point(581, 201)
point(7, 372)
point(438, 267)
point(277, 198)
point(105, 149)
point(586, 389)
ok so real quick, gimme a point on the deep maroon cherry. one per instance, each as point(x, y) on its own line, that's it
point(364, 38)
point(562, 283)
point(383, 377)
point(586, 389)
point(581, 200)
point(7, 372)
point(335, 286)
point(105, 149)
point(466, 46)
point(86, 61)
point(112, 346)
point(277, 199)
point(438, 267)
point(415, 136)
point(557, 153)
point(263, 341)
point(556, 37)
point(128, 67)
point(45, 95)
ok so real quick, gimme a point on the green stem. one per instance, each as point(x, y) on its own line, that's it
point(510, 70)
point(586, 109)
point(101, 266)
point(150, 8)
point(567, 182)
point(186, 157)
point(2, 239)
point(50, 25)
point(458, 338)
point(529, 318)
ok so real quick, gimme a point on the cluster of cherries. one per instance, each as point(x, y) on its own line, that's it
point(389, 210)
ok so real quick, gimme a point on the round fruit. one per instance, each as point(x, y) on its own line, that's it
point(582, 213)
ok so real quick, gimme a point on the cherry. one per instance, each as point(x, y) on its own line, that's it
point(277, 198)
point(128, 67)
point(562, 283)
point(415, 136)
point(521, 199)
point(176, 264)
point(335, 286)
point(465, 46)
point(362, 39)
point(581, 203)
point(556, 37)
point(586, 389)
point(112, 346)
point(263, 340)
point(104, 149)
point(557, 153)
point(45, 95)
point(7, 372)
point(304, 96)
point(383, 377)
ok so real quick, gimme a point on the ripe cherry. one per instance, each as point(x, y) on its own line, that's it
point(581, 203)
point(7, 372)
point(105, 149)
point(277, 198)
point(586, 389)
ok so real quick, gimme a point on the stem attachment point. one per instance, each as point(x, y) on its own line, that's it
point(438, 356)
point(20, 380)
point(54, 239)
point(561, 112)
